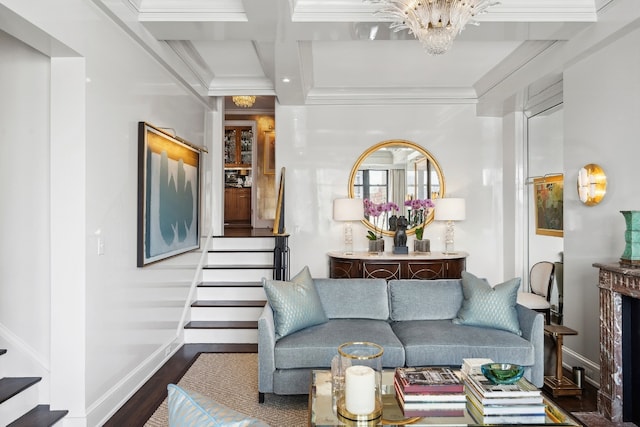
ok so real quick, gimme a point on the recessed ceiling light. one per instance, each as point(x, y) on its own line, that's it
point(286, 80)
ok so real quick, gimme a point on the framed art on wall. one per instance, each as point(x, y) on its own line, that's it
point(548, 204)
point(269, 153)
point(168, 195)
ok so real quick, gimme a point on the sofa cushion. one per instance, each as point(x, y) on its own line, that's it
point(490, 307)
point(425, 299)
point(296, 304)
point(314, 347)
point(441, 342)
point(191, 409)
point(354, 298)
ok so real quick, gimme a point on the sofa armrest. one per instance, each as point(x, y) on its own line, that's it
point(532, 327)
point(266, 350)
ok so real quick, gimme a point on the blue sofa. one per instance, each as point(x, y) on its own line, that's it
point(411, 319)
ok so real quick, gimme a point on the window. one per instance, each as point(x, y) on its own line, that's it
point(372, 184)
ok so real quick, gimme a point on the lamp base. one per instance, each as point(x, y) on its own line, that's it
point(402, 250)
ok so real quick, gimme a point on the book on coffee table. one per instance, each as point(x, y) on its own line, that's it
point(428, 379)
point(486, 389)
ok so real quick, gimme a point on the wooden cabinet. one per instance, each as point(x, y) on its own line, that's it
point(389, 266)
point(237, 205)
point(238, 143)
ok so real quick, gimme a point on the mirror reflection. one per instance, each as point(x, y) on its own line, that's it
point(397, 172)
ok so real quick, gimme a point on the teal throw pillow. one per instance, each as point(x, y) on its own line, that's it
point(296, 304)
point(191, 409)
point(490, 307)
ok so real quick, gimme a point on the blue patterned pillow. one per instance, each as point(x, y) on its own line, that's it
point(191, 409)
point(296, 304)
point(490, 307)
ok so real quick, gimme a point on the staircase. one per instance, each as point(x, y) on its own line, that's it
point(230, 297)
point(18, 396)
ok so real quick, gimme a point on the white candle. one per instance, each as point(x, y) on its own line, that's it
point(360, 390)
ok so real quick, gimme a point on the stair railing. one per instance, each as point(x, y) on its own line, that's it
point(281, 249)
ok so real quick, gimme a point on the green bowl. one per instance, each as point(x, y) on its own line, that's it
point(502, 373)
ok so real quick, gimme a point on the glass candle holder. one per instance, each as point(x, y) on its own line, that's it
point(361, 365)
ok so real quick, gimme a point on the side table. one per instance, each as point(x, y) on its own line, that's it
point(560, 385)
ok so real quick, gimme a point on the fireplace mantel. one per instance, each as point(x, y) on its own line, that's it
point(614, 283)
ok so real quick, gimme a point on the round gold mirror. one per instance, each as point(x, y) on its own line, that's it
point(592, 184)
point(396, 171)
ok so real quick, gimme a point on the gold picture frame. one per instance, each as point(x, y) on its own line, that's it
point(269, 160)
point(548, 205)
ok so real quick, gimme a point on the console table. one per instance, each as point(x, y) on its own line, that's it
point(434, 265)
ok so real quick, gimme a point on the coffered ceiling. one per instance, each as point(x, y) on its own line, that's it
point(339, 52)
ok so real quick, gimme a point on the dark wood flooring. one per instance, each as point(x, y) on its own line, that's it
point(144, 402)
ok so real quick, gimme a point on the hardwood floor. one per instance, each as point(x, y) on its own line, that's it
point(144, 402)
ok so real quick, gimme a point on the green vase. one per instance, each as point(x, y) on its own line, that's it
point(631, 255)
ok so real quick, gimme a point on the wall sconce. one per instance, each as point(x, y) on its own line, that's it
point(348, 210)
point(592, 184)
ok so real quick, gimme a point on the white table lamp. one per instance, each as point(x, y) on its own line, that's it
point(348, 210)
point(449, 210)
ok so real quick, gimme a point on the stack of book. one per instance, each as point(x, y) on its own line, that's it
point(518, 403)
point(430, 392)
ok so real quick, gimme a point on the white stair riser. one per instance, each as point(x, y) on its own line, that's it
point(240, 258)
point(226, 313)
point(230, 243)
point(239, 275)
point(221, 336)
point(18, 405)
point(231, 293)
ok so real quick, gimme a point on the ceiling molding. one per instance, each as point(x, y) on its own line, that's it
point(395, 96)
point(224, 86)
point(506, 10)
point(192, 59)
point(190, 10)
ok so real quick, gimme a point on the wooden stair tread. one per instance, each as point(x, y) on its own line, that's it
point(240, 251)
point(40, 416)
point(222, 284)
point(239, 267)
point(236, 303)
point(10, 386)
point(200, 324)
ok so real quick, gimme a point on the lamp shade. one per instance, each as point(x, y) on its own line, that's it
point(449, 209)
point(348, 209)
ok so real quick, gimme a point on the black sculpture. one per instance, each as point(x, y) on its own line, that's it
point(400, 238)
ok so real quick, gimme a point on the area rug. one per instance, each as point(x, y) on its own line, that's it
point(232, 379)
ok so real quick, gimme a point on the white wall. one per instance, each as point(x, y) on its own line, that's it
point(129, 314)
point(601, 110)
point(319, 145)
point(24, 210)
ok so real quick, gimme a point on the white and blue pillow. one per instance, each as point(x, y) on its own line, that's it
point(296, 304)
point(487, 306)
point(191, 409)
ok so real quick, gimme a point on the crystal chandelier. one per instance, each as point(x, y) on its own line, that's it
point(244, 101)
point(436, 23)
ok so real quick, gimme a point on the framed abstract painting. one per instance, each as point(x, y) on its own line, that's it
point(548, 204)
point(168, 195)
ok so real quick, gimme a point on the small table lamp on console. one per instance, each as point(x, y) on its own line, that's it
point(348, 210)
point(449, 210)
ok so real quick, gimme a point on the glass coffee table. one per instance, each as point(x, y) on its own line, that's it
point(322, 411)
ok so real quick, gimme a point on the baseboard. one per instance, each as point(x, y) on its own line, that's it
point(109, 403)
point(591, 369)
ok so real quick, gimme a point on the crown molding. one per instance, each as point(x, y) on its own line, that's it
point(390, 96)
point(190, 10)
point(506, 10)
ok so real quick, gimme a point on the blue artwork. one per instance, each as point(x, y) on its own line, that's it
point(169, 211)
